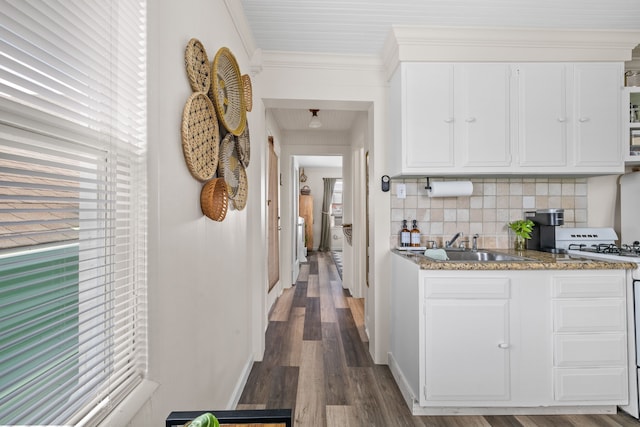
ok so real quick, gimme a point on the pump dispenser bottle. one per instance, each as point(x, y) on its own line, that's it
point(415, 234)
point(405, 235)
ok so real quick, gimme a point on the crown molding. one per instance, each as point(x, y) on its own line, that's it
point(305, 60)
point(457, 44)
point(240, 22)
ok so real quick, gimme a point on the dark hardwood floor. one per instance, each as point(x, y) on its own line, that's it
point(317, 363)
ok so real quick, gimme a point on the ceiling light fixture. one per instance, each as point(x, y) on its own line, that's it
point(315, 121)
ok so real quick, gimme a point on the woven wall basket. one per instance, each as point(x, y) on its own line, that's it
point(227, 92)
point(198, 67)
point(229, 167)
point(247, 91)
point(214, 200)
point(243, 145)
point(200, 136)
point(239, 201)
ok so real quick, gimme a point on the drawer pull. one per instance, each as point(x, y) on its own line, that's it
point(503, 345)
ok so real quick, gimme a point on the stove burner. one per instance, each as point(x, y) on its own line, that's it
point(609, 248)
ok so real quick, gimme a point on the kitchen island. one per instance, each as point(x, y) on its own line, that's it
point(546, 335)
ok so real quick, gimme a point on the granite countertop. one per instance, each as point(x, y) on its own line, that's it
point(537, 261)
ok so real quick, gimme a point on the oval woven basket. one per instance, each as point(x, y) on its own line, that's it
point(240, 199)
point(198, 67)
point(243, 145)
point(247, 91)
point(214, 200)
point(229, 167)
point(227, 92)
point(200, 143)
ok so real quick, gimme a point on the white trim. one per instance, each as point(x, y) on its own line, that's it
point(240, 384)
point(403, 384)
point(127, 409)
point(444, 44)
point(320, 61)
point(236, 11)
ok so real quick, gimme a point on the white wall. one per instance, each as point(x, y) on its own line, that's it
point(207, 279)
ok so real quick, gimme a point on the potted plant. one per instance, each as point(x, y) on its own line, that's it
point(522, 229)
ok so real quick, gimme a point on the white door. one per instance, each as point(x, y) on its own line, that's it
point(429, 120)
point(467, 350)
point(597, 94)
point(541, 114)
point(482, 114)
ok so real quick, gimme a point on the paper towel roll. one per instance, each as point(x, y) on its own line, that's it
point(450, 189)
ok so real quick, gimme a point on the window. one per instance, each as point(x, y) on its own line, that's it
point(72, 208)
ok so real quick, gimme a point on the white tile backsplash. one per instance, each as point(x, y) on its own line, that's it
point(494, 203)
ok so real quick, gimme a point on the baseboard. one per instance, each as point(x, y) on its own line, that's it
point(403, 384)
point(242, 382)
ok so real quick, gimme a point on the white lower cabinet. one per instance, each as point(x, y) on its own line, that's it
point(479, 336)
point(590, 340)
point(509, 339)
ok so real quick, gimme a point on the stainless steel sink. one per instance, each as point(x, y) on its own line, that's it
point(481, 255)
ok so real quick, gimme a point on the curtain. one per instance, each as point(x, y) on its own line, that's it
point(325, 228)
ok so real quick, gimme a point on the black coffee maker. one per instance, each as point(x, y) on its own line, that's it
point(543, 236)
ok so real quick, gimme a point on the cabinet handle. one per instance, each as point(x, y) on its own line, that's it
point(562, 119)
point(583, 119)
point(449, 120)
point(503, 345)
point(470, 120)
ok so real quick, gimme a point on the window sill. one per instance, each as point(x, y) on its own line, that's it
point(131, 405)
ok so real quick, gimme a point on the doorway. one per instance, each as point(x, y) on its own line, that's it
point(273, 218)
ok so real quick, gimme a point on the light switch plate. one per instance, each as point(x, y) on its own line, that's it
point(402, 191)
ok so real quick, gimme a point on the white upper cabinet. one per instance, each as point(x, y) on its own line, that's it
point(482, 115)
point(596, 117)
point(502, 118)
point(542, 115)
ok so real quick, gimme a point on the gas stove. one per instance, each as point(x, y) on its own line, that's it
point(623, 250)
point(599, 243)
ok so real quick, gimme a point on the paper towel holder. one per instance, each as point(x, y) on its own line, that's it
point(428, 187)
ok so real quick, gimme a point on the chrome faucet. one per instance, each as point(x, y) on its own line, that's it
point(474, 246)
point(448, 243)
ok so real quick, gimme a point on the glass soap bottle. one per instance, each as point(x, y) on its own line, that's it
point(405, 235)
point(415, 234)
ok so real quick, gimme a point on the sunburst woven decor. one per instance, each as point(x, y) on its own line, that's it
point(227, 91)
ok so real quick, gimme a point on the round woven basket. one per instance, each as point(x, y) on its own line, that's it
point(226, 91)
point(240, 199)
point(214, 200)
point(200, 143)
point(247, 91)
point(229, 167)
point(198, 68)
point(243, 145)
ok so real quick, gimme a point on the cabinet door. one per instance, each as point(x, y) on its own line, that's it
point(597, 94)
point(482, 114)
point(467, 350)
point(428, 118)
point(541, 114)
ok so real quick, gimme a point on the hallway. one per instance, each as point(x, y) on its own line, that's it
point(317, 363)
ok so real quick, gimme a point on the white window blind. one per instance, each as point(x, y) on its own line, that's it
point(72, 208)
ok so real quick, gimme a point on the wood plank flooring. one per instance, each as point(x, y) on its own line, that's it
point(317, 363)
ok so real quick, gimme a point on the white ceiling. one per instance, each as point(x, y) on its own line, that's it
point(360, 27)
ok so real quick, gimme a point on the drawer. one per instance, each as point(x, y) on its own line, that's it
point(599, 285)
point(607, 315)
point(471, 287)
point(597, 384)
point(593, 350)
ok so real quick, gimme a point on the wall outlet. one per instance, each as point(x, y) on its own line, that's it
point(402, 191)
